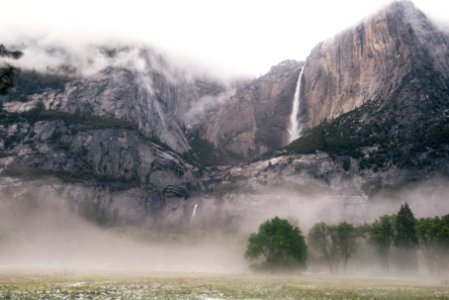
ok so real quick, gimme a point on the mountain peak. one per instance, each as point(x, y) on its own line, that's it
point(371, 61)
point(404, 12)
point(401, 5)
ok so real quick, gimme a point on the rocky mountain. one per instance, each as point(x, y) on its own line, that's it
point(395, 55)
point(255, 120)
point(373, 111)
point(140, 135)
point(118, 129)
point(391, 110)
point(374, 103)
point(384, 57)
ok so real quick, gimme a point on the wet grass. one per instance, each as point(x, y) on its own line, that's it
point(205, 286)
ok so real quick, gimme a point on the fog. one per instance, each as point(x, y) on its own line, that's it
point(41, 231)
point(85, 60)
point(321, 204)
point(226, 39)
point(206, 103)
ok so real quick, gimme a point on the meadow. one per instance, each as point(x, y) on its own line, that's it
point(218, 286)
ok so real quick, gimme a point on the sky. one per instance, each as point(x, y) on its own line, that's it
point(233, 37)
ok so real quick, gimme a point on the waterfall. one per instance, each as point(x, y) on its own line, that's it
point(193, 212)
point(294, 130)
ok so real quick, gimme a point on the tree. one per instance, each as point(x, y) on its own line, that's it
point(405, 239)
point(336, 243)
point(323, 239)
point(433, 236)
point(346, 241)
point(279, 244)
point(7, 71)
point(381, 237)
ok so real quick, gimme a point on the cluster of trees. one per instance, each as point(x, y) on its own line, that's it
point(336, 243)
point(398, 238)
point(281, 245)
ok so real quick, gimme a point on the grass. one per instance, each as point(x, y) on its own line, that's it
point(214, 286)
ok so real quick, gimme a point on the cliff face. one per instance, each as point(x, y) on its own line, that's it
point(372, 61)
point(121, 132)
point(117, 131)
point(397, 55)
point(256, 118)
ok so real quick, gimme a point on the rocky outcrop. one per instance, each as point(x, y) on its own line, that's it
point(376, 60)
point(115, 152)
point(255, 120)
point(117, 172)
point(133, 84)
point(119, 132)
point(308, 173)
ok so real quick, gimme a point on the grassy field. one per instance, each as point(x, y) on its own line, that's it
point(213, 286)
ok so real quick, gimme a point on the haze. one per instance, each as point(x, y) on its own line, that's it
point(40, 230)
point(232, 38)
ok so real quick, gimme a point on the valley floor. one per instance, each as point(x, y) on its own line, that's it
point(217, 286)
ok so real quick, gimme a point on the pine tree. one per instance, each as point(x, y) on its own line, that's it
point(381, 237)
point(405, 239)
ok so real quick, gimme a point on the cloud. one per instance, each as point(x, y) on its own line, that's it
point(230, 37)
point(201, 106)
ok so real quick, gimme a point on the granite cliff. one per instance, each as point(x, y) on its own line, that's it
point(255, 120)
point(134, 140)
point(380, 58)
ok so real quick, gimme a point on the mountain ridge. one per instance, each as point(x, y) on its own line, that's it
point(371, 98)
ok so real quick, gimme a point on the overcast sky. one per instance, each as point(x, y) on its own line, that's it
point(231, 36)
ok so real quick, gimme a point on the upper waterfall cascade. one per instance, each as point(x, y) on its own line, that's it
point(294, 129)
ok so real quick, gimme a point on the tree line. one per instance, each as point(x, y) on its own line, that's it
point(396, 240)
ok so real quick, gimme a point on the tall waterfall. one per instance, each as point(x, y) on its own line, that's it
point(294, 130)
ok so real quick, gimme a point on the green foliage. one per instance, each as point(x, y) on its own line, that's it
point(405, 239)
point(405, 228)
point(333, 137)
point(346, 237)
point(336, 243)
point(322, 238)
point(281, 245)
point(382, 136)
point(381, 237)
point(433, 236)
point(400, 232)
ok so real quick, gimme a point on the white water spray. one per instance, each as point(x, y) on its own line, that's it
point(294, 130)
point(193, 213)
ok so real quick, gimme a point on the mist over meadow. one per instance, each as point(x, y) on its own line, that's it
point(41, 231)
